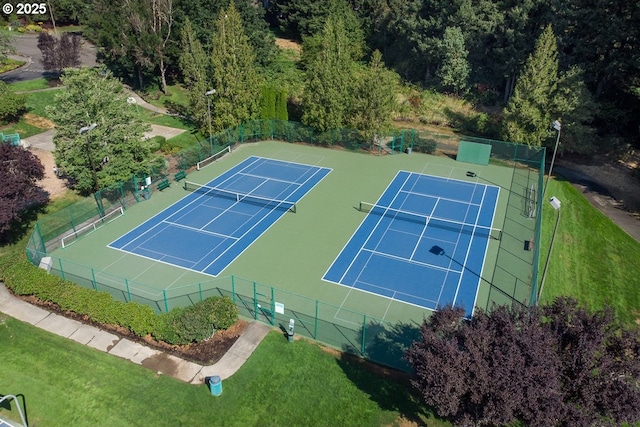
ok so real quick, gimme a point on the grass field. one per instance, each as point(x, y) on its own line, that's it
point(593, 259)
point(64, 383)
point(28, 85)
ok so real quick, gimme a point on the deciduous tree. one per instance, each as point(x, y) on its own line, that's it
point(454, 68)
point(11, 104)
point(20, 171)
point(59, 53)
point(114, 149)
point(559, 364)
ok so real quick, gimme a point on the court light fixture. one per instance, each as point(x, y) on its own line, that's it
point(208, 94)
point(557, 126)
point(555, 204)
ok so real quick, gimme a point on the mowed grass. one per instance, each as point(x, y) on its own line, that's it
point(593, 259)
point(27, 85)
point(282, 384)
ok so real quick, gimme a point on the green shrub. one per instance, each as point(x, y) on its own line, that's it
point(33, 27)
point(139, 318)
point(223, 313)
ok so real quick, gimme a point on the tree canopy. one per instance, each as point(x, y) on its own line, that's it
point(96, 157)
point(558, 364)
point(20, 171)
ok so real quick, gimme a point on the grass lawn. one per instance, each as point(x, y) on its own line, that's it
point(28, 85)
point(21, 127)
point(593, 259)
point(282, 384)
point(38, 101)
point(177, 95)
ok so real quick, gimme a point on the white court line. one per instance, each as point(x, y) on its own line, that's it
point(468, 251)
point(424, 229)
point(270, 179)
point(408, 261)
point(199, 230)
point(416, 193)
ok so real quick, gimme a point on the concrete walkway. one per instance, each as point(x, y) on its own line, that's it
point(137, 353)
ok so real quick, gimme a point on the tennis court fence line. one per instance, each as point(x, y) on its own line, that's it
point(350, 331)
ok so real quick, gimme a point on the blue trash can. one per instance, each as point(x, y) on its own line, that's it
point(215, 384)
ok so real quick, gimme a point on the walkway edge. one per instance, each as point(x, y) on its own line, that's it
point(139, 354)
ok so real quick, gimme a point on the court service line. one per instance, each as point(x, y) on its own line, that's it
point(424, 229)
point(373, 230)
point(199, 230)
point(420, 263)
point(266, 178)
point(431, 196)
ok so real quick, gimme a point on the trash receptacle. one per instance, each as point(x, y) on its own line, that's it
point(408, 150)
point(215, 385)
point(290, 336)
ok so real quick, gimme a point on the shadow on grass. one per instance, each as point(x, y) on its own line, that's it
point(385, 345)
point(19, 228)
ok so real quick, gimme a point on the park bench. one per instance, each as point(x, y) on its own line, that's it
point(163, 184)
point(180, 175)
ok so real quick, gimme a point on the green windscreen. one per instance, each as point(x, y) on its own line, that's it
point(472, 152)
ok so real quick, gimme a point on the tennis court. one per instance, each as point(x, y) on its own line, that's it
point(423, 242)
point(213, 224)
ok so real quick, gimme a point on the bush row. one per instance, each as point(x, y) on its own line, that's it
point(179, 326)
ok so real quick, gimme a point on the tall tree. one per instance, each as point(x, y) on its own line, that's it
point(235, 76)
point(97, 156)
point(374, 99)
point(528, 114)
point(6, 47)
point(194, 65)
point(20, 171)
point(329, 76)
point(12, 105)
point(454, 68)
point(551, 365)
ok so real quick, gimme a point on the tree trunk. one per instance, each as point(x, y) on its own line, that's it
point(163, 77)
point(140, 81)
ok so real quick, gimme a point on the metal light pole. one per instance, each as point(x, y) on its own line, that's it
point(557, 126)
point(208, 94)
point(555, 203)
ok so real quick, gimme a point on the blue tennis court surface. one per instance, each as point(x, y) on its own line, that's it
point(423, 242)
point(207, 229)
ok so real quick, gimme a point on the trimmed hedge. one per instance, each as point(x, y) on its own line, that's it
point(179, 326)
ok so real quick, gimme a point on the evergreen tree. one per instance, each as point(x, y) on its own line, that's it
point(327, 92)
point(235, 76)
point(454, 69)
point(528, 114)
point(193, 65)
point(268, 103)
point(281, 105)
point(374, 100)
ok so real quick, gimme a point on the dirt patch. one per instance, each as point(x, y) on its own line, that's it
point(288, 44)
point(204, 353)
point(51, 183)
point(39, 122)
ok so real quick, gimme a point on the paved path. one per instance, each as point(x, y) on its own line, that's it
point(137, 353)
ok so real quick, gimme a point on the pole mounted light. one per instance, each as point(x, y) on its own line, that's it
point(557, 126)
point(96, 186)
point(555, 204)
point(208, 94)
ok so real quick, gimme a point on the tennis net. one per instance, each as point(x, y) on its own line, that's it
point(273, 204)
point(213, 158)
point(426, 220)
point(91, 227)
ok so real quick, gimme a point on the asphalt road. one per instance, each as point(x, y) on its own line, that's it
point(26, 46)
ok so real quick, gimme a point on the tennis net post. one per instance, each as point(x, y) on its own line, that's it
point(238, 197)
point(426, 220)
point(213, 158)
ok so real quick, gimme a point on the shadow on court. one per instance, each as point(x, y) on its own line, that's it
point(437, 250)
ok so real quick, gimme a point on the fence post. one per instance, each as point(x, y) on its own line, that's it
point(315, 329)
point(364, 333)
point(166, 303)
point(61, 270)
point(200, 290)
point(126, 282)
point(273, 307)
point(93, 275)
point(255, 302)
point(233, 289)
